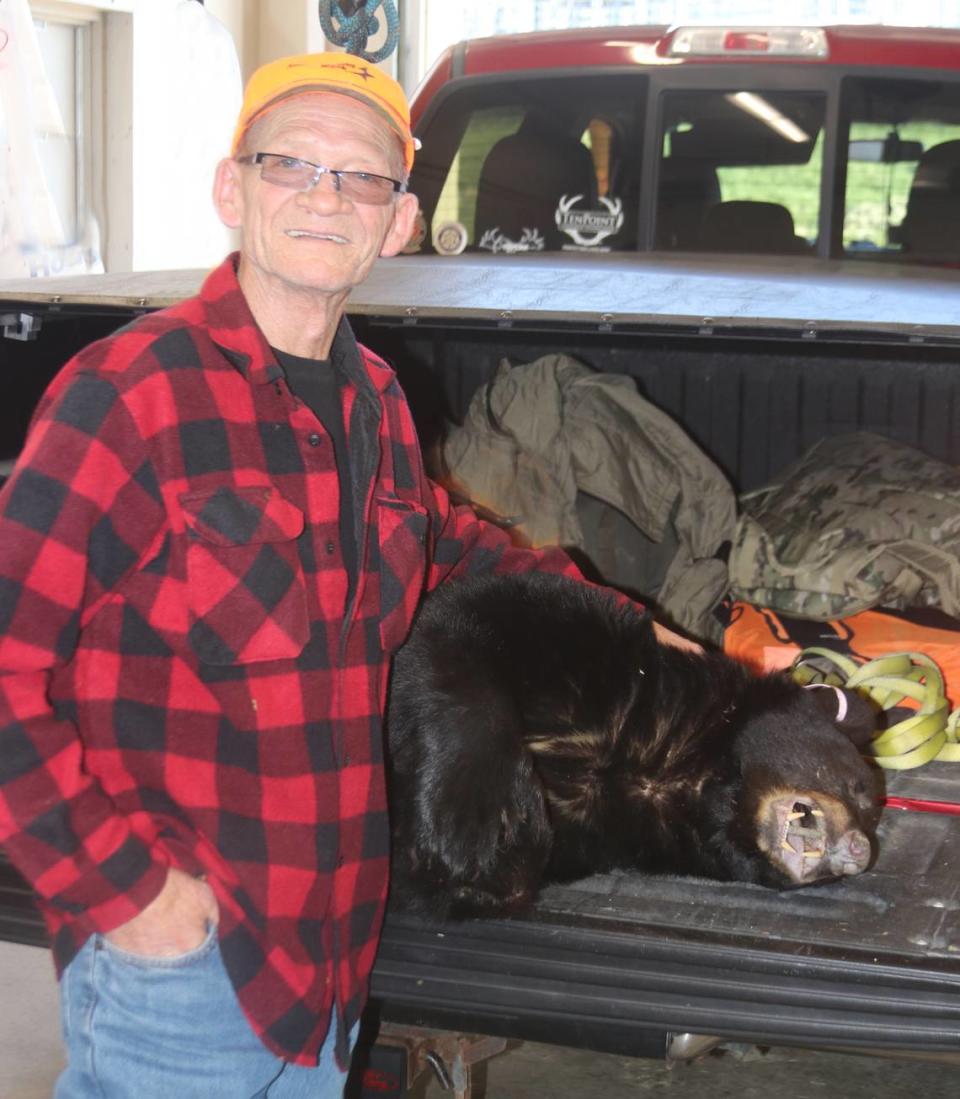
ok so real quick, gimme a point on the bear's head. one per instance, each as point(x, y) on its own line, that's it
point(806, 799)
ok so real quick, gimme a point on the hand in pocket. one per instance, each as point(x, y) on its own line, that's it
point(175, 922)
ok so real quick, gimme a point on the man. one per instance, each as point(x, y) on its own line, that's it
point(217, 534)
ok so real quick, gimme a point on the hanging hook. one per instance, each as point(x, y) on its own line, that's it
point(349, 23)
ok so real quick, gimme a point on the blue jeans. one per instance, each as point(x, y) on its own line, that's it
point(159, 1028)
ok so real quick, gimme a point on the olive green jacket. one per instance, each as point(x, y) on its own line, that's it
point(572, 457)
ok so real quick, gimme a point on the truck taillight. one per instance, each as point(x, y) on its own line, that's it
point(747, 42)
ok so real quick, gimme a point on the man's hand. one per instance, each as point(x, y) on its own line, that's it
point(668, 637)
point(173, 923)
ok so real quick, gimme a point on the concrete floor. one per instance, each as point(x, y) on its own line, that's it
point(31, 1056)
point(546, 1072)
point(31, 1053)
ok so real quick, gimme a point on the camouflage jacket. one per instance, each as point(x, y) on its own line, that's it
point(858, 521)
point(575, 458)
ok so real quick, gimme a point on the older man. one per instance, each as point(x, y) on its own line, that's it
point(216, 536)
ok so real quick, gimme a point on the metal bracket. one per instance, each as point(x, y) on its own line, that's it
point(20, 326)
point(450, 1056)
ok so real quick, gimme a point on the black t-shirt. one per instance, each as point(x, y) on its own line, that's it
point(316, 383)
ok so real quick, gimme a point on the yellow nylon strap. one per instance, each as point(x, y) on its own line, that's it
point(951, 749)
point(931, 732)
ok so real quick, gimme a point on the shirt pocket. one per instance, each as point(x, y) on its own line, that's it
point(245, 582)
point(402, 529)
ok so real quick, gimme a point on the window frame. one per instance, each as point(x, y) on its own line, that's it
point(88, 24)
point(852, 77)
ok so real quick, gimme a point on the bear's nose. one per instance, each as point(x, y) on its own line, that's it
point(851, 853)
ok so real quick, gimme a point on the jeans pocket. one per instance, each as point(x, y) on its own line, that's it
point(163, 961)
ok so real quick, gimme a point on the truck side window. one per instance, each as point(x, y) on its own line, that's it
point(535, 165)
point(902, 191)
point(740, 171)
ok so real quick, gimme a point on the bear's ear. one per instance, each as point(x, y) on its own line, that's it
point(850, 711)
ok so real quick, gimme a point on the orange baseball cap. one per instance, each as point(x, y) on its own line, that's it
point(333, 72)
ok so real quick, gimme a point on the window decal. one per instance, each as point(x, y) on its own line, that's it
point(588, 228)
point(449, 238)
point(494, 241)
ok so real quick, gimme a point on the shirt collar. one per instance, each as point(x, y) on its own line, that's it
point(232, 327)
point(235, 331)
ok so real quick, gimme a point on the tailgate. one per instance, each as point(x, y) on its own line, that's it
point(868, 963)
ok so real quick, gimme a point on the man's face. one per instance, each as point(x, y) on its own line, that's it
point(315, 240)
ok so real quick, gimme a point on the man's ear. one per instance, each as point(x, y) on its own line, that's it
point(401, 229)
point(227, 194)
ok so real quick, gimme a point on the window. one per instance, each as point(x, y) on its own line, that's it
point(59, 48)
point(902, 192)
point(740, 171)
point(46, 121)
point(534, 165)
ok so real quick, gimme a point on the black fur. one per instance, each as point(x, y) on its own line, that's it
point(537, 731)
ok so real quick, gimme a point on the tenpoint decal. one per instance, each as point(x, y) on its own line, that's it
point(588, 228)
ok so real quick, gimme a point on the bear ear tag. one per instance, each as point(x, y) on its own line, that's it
point(836, 707)
point(851, 712)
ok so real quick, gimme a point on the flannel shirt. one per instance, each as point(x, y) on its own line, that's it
point(186, 677)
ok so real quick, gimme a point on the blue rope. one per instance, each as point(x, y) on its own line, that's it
point(349, 23)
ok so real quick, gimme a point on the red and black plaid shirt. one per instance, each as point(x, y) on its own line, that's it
point(187, 677)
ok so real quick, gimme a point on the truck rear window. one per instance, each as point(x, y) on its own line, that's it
point(534, 165)
point(546, 163)
point(740, 171)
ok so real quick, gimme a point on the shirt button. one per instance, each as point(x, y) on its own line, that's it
point(330, 547)
point(314, 439)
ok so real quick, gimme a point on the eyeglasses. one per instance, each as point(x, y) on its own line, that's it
point(301, 175)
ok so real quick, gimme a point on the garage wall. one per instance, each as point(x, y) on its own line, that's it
point(265, 29)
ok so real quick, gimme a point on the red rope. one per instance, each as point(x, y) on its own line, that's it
point(922, 805)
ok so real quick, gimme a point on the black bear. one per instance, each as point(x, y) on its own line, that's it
point(538, 732)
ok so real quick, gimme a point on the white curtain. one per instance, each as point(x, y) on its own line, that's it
point(30, 226)
point(190, 90)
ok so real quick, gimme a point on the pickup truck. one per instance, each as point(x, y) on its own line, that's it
point(757, 356)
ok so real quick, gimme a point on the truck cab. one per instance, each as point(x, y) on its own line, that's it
point(840, 142)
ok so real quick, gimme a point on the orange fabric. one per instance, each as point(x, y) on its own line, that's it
point(769, 640)
point(334, 72)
